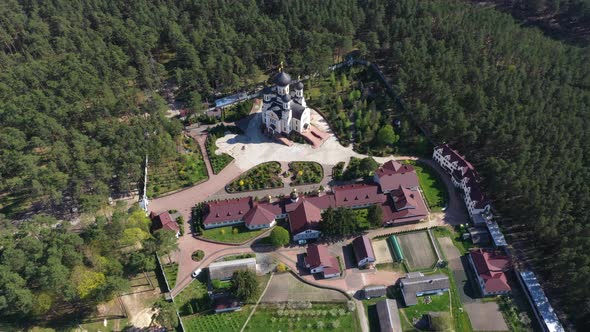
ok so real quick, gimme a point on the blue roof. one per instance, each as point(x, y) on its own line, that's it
point(225, 101)
point(496, 234)
point(541, 302)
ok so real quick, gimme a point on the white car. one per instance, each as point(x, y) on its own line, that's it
point(196, 273)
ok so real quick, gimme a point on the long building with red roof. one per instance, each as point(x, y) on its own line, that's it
point(400, 204)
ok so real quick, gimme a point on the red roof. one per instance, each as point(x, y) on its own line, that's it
point(410, 203)
point(305, 216)
point(318, 255)
point(404, 199)
point(491, 267)
point(259, 215)
point(363, 248)
point(164, 221)
point(227, 210)
point(322, 202)
point(357, 194)
point(393, 174)
point(333, 267)
point(456, 157)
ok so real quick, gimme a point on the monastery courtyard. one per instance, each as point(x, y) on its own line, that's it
point(254, 147)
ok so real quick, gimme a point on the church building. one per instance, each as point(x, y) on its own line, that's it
point(284, 108)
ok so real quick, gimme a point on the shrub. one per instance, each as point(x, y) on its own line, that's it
point(279, 236)
point(234, 231)
point(320, 325)
point(281, 268)
point(334, 324)
point(198, 255)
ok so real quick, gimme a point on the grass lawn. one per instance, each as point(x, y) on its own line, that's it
point(171, 270)
point(224, 322)
point(434, 189)
point(445, 231)
point(193, 299)
point(232, 234)
point(305, 172)
point(439, 303)
point(393, 267)
point(263, 176)
point(183, 171)
point(320, 317)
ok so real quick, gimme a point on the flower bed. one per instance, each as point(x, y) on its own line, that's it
point(263, 176)
point(305, 172)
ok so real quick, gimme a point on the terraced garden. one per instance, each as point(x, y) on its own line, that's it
point(184, 170)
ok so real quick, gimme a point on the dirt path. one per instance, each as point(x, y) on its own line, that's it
point(257, 302)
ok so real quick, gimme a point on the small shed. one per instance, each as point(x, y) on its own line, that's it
point(225, 304)
point(374, 291)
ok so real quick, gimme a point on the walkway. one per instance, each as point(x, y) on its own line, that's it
point(257, 302)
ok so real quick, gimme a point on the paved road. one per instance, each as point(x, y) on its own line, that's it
point(455, 213)
point(483, 316)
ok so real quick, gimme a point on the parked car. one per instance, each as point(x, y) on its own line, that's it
point(196, 273)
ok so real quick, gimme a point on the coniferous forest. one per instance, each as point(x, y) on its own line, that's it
point(81, 106)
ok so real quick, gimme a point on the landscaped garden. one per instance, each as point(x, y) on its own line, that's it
point(305, 172)
point(171, 270)
point(184, 170)
point(359, 109)
point(219, 161)
point(263, 176)
point(433, 187)
point(231, 234)
point(237, 112)
point(338, 171)
point(303, 316)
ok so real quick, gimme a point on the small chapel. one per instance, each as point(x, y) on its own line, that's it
point(284, 108)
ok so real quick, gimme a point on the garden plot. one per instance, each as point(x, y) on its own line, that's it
point(303, 316)
point(285, 287)
point(418, 250)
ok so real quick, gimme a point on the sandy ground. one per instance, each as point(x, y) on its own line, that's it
point(139, 300)
point(382, 253)
point(254, 148)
